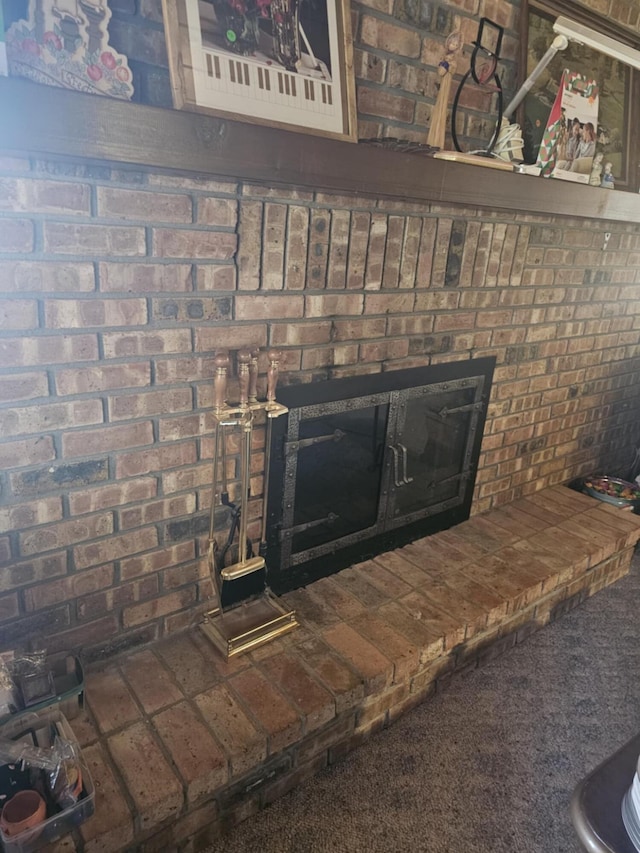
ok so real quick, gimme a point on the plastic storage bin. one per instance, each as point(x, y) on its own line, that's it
point(68, 688)
point(58, 823)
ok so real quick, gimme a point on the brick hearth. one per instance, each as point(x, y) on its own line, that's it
point(183, 745)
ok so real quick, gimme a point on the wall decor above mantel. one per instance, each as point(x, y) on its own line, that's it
point(66, 43)
point(274, 62)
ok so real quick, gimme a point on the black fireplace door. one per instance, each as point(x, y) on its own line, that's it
point(432, 450)
point(359, 473)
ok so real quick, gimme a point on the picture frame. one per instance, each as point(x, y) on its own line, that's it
point(278, 63)
point(619, 119)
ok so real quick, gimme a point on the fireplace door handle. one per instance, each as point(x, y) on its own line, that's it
point(397, 482)
point(294, 446)
point(308, 525)
point(406, 480)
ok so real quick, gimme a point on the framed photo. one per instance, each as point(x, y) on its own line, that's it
point(282, 63)
point(618, 118)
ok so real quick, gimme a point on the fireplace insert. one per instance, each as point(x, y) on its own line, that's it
point(366, 464)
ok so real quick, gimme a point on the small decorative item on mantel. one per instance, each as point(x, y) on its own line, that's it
point(482, 73)
point(446, 70)
point(66, 43)
point(608, 181)
point(595, 178)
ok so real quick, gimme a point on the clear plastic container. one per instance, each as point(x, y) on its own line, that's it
point(68, 688)
point(38, 725)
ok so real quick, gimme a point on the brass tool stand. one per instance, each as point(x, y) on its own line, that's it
point(235, 627)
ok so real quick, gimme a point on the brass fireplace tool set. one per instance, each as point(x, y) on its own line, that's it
point(247, 614)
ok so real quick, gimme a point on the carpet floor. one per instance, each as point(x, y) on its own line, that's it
point(487, 765)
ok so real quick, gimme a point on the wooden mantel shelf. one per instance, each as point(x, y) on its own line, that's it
point(51, 123)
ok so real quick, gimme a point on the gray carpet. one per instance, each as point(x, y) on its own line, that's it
point(489, 764)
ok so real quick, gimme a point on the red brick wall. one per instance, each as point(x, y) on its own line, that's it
point(117, 287)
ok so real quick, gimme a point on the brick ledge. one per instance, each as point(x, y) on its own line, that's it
point(183, 745)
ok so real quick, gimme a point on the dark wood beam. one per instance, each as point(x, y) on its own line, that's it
point(46, 122)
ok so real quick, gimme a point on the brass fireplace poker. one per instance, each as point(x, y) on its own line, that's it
point(247, 614)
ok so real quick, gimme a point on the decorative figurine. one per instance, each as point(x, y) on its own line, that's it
point(608, 181)
point(482, 72)
point(446, 70)
point(596, 170)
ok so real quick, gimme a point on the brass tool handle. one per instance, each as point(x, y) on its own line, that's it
point(273, 370)
point(221, 364)
point(253, 376)
point(244, 359)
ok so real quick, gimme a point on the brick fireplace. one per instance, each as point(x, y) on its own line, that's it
point(119, 281)
point(118, 287)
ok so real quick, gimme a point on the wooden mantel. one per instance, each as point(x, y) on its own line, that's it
point(46, 122)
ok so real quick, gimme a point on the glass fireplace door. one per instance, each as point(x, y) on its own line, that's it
point(334, 462)
point(432, 449)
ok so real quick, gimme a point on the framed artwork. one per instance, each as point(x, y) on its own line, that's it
point(618, 117)
point(282, 63)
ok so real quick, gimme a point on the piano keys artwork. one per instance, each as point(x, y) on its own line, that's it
point(286, 63)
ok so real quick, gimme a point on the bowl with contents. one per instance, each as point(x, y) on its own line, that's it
point(613, 490)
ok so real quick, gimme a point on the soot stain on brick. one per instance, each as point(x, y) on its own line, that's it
point(430, 344)
point(452, 272)
point(195, 310)
point(418, 12)
point(544, 235)
point(526, 352)
point(443, 21)
point(597, 277)
point(120, 644)
point(223, 307)
point(531, 446)
point(46, 479)
point(454, 255)
point(190, 527)
point(47, 622)
point(169, 310)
